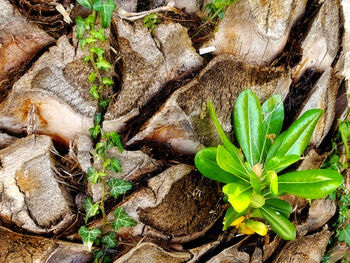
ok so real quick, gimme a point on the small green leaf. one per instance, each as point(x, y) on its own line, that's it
point(104, 103)
point(272, 180)
point(95, 131)
point(86, 3)
point(97, 118)
point(79, 21)
point(93, 176)
point(89, 236)
point(86, 59)
point(94, 93)
point(122, 219)
point(227, 163)
point(100, 149)
point(105, 9)
point(273, 116)
point(206, 164)
point(110, 240)
point(92, 77)
point(344, 130)
point(257, 227)
point(257, 200)
point(118, 187)
point(98, 51)
point(108, 82)
point(247, 120)
point(90, 40)
point(113, 165)
point(312, 184)
point(90, 209)
point(82, 43)
point(297, 137)
point(231, 215)
point(239, 196)
point(99, 34)
point(279, 224)
point(114, 139)
point(103, 64)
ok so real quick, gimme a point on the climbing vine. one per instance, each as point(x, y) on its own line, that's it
point(90, 32)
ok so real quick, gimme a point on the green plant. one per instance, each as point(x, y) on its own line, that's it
point(90, 34)
point(251, 181)
point(151, 22)
point(216, 9)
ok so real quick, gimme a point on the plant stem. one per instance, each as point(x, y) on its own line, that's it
point(102, 205)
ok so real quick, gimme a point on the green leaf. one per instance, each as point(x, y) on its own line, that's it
point(205, 162)
point(235, 153)
point(108, 82)
point(122, 219)
point(95, 131)
point(257, 200)
point(86, 59)
point(312, 184)
point(281, 206)
point(254, 180)
point(272, 180)
point(97, 118)
point(257, 227)
point(93, 176)
point(114, 139)
point(103, 64)
point(105, 9)
point(92, 77)
point(104, 103)
point(94, 93)
point(98, 51)
point(118, 187)
point(86, 3)
point(79, 21)
point(297, 137)
point(344, 235)
point(239, 196)
point(99, 34)
point(100, 149)
point(110, 240)
point(247, 122)
point(273, 116)
point(113, 165)
point(90, 209)
point(82, 43)
point(279, 224)
point(89, 236)
point(279, 163)
point(344, 129)
point(228, 163)
point(231, 215)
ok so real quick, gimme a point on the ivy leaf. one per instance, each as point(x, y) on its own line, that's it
point(105, 9)
point(86, 3)
point(97, 118)
point(95, 131)
point(122, 219)
point(93, 176)
point(113, 165)
point(103, 64)
point(344, 235)
point(94, 93)
point(114, 139)
point(79, 21)
point(99, 51)
point(110, 240)
point(92, 77)
point(104, 103)
point(99, 34)
point(90, 209)
point(89, 236)
point(106, 81)
point(118, 187)
point(100, 149)
point(86, 59)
